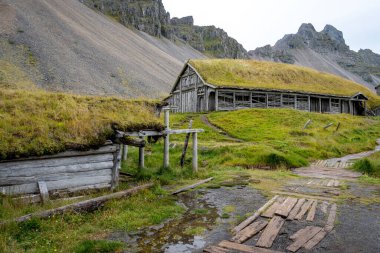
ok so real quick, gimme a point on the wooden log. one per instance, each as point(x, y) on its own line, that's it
point(195, 152)
point(18, 175)
point(192, 186)
point(315, 240)
point(296, 209)
point(87, 205)
point(286, 207)
point(331, 219)
point(141, 157)
point(65, 161)
point(307, 124)
point(324, 206)
point(244, 248)
point(252, 218)
point(43, 191)
point(305, 207)
point(108, 149)
point(269, 213)
point(303, 238)
point(337, 127)
point(249, 231)
point(311, 214)
point(328, 125)
point(270, 232)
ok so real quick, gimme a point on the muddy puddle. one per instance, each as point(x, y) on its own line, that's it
point(210, 214)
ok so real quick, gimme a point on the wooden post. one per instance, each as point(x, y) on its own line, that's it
point(216, 100)
point(141, 156)
point(125, 152)
point(43, 191)
point(234, 99)
point(186, 144)
point(250, 100)
point(330, 105)
point(116, 167)
point(195, 152)
point(309, 103)
point(167, 140)
point(295, 102)
point(267, 100)
point(365, 109)
point(320, 105)
point(351, 107)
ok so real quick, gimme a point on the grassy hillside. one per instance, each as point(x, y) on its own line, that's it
point(269, 75)
point(38, 123)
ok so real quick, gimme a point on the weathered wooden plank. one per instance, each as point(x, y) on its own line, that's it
point(116, 168)
point(315, 240)
point(216, 249)
point(296, 209)
point(303, 238)
point(183, 131)
point(192, 186)
point(74, 181)
point(35, 172)
point(86, 205)
point(244, 248)
point(286, 207)
point(195, 152)
point(331, 218)
point(298, 233)
point(305, 207)
point(249, 231)
point(51, 177)
point(311, 214)
point(270, 232)
point(102, 150)
point(252, 218)
point(18, 165)
point(43, 191)
point(269, 213)
point(299, 195)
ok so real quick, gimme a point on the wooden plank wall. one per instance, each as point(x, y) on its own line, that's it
point(70, 170)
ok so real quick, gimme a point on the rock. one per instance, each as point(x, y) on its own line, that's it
point(325, 51)
point(151, 17)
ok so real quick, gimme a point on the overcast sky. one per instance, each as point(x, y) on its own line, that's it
point(255, 23)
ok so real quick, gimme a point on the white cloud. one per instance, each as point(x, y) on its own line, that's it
point(256, 23)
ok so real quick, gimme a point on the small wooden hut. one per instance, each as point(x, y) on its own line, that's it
point(226, 84)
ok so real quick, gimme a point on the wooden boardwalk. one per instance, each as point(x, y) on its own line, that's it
point(288, 207)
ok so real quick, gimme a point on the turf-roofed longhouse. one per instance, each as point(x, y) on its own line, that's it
point(226, 84)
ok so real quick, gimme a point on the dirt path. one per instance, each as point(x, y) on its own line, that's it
point(205, 120)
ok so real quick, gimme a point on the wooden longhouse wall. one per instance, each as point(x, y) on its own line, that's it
point(192, 94)
point(68, 171)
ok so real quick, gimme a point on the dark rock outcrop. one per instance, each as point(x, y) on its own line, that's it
point(151, 17)
point(325, 51)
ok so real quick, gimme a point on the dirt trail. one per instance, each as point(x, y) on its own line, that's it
point(219, 130)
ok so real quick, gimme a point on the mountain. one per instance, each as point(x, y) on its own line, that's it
point(324, 51)
point(66, 46)
point(151, 17)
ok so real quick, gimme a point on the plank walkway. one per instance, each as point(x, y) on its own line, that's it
point(285, 207)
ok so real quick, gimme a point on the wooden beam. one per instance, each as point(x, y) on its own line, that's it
point(249, 231)
point(125, 152)
point(309, 102)
point(234, 99)
point(185, 145)
point(87, 205)
point(192, 186)
point(195, 152)
point(141, 157)
point(303, 238)
point(167, 139)
point(236, 247)
point(270, 232)
point(252, 218)
point(116, 168)
point(43, 191)
point(183, 131)
point(216, 100)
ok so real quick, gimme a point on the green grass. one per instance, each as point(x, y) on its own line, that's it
point(369, 166)
point(279, 76)
point(35, 122)
point(87, 232)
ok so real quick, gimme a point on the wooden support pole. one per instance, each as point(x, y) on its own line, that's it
point(125, 152)
point(43, 191)
point(216, 100)
point(330, 105)
point(307, 124)
point(234, 99)
point(309, 103)
point(167, 140)
point(141, 156)
point(116, 167)
point(320, 105)
point(195, 152)
point(186, 144)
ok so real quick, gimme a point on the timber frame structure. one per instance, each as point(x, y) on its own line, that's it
point(192, 94)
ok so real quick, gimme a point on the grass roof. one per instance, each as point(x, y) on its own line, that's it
point(35, 122)
point(279, 76)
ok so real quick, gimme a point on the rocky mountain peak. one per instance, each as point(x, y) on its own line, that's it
point(306, 28)
point(189, 20)
point(334, 34)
